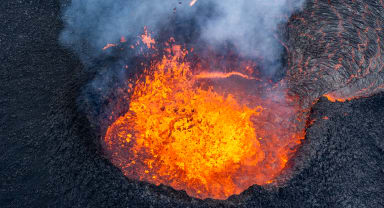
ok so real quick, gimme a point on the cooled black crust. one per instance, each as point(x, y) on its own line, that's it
point(336, 46)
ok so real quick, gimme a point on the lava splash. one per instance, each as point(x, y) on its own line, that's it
point(183, 133)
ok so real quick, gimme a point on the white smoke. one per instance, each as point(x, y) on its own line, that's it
point(249, 25)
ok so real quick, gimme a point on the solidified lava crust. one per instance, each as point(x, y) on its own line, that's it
point(335, 48)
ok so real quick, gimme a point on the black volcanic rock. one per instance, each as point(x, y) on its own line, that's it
point(336, 47)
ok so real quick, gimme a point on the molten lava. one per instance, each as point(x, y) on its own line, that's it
point(184, 134)
point(333, 99)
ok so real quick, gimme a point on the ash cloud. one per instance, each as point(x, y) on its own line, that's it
point(249, 25)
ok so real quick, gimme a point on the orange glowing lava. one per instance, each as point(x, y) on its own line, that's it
point(188, 136)
point(219, 75)
point(146, 38)
point(333, 98)
point(109, 45)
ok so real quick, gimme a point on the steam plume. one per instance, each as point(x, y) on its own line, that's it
point(250, 25)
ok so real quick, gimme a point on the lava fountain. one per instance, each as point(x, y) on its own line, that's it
point(210, 140)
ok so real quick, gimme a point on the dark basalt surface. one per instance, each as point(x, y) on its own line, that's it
point(336, 46)
point(50, 155)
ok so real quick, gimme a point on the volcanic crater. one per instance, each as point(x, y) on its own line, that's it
point(171, 123)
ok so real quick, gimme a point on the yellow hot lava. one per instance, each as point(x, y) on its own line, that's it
point(190, 137)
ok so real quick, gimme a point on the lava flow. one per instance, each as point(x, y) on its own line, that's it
point(185, 134)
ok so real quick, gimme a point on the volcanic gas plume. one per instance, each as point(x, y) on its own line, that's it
point(183, 132)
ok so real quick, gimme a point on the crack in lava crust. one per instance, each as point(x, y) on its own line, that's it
point(181, 133)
